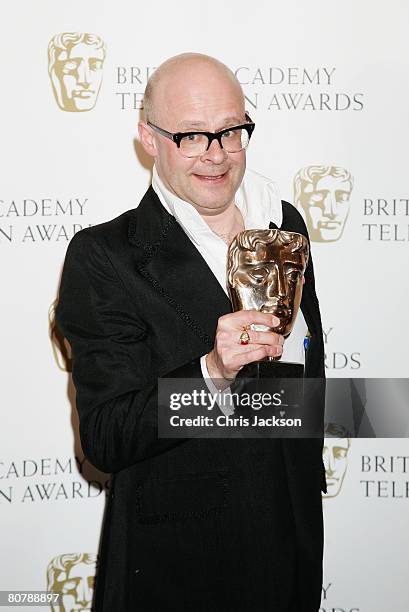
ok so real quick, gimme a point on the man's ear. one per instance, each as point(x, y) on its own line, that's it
point(147, 139)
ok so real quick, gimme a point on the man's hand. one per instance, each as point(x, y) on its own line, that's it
point(228, 355)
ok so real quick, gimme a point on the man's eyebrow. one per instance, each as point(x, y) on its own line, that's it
point(201, 125)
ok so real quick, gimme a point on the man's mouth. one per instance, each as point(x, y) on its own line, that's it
point(211, 178)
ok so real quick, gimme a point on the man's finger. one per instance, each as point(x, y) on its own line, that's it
point(241, 359)
point(242, 318)
point(264, 337)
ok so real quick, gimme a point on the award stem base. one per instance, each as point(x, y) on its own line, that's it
point(272, 369)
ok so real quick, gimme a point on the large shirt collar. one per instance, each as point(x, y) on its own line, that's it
point(257, 199)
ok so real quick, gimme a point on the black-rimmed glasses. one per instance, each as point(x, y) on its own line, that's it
point(193, 144)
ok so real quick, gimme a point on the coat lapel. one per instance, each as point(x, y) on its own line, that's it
point(171, 263)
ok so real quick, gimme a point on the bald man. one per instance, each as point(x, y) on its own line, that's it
point(193, 524)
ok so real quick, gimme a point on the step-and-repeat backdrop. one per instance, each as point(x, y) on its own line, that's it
point(327, 85)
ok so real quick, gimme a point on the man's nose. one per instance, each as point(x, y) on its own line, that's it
point(84, 74)
point(215, 153)
point(330, 206)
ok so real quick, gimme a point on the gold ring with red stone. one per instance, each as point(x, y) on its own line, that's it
point(245, 336)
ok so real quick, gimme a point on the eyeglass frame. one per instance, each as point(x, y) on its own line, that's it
point(176, 137)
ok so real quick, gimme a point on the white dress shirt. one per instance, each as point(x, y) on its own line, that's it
point(259, 203)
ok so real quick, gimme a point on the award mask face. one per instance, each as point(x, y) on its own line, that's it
point(75, 64)
point(323, 194)
point(265, 271)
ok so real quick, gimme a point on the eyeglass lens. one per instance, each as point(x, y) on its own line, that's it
point(232, 142)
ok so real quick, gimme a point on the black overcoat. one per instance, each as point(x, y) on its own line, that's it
point(191, 525)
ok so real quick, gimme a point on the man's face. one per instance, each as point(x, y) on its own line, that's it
point(202, 99)
point(79, 76)
point(326, 206)
point(335, 459)
point(76, 587)
point(270, 279)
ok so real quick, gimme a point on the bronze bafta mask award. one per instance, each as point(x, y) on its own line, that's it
point(265, 270)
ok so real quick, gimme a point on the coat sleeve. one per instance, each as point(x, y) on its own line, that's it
point(116, 391)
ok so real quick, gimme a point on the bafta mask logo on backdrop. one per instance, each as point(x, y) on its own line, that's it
point(72, 576)
point(75, 63)
point(335, 457)
point(60, 346)
point(322, 195)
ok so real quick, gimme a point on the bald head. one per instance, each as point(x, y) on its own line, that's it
point(187, 73)
point(193, 93)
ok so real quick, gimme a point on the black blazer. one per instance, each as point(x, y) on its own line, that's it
point(199, 524)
